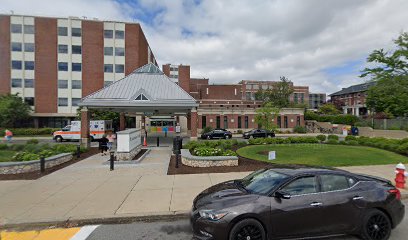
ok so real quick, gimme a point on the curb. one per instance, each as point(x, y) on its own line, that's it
point(173, 216)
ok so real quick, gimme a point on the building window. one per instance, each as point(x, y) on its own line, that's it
point(76, 84)
point(295, 97)
point(16, 28)
point(119, 51)
point(29, 101)
point(108, 51)
point(16, 65)
point(29, 47)
point(218, 121)
point(108, 68)
point(246, 122)
point(285, 122)
point(108, 34)
point(248, 86)
point(239, 122)
point(119, 34)
point(75, 101)
point(203, 121)
point(76, 67)
point(76, 32)
point(29, 29)
point(225, 122)
point(298, 121)
point(248, 95)
point(16, 47)
point(16, 83)
point(106, 83)
point(62, 31)
point(279, 120)
point(119, 68)
point(62, 102)
point(29, 83)
point(62, 84)
point(76, 49)
point(29, 65)
point(62, 48)
point(62, 66)
point(255, 87)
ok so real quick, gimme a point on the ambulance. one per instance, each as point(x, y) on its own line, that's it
point(73, 132)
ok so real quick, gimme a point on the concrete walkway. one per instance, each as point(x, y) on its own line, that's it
point(88, 190)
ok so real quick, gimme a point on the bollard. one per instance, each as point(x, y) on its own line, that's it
point(78, 151)
point(158, 141)
point(112, 161)
point(177, 157)
point(42, 164)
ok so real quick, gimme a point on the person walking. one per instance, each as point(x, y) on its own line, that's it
point(111, 140)
point(103, 145)
point(8, 135)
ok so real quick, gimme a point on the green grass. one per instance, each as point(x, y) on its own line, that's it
point(6, 155)
point(323, 154)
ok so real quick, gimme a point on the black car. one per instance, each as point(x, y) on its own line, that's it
point(258, 133)
point(298, 202)
point(217, 133)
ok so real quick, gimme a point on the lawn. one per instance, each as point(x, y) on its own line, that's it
point(322, 154)
point(6, 155)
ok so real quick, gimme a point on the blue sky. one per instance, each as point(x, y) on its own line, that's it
point(227, 41)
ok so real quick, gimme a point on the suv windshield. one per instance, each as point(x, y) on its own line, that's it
point(262, 181)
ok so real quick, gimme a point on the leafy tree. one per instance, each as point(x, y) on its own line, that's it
point(102, 115)
point(12, 110)
point(278, 95)
point(329, 109)
point(265, 115)
point(389, 95)
point(389, 64)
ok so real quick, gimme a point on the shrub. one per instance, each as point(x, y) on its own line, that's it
point(352, 142)
point(207, 151)
point(25, 156)
point(403, 148)
point(332, 141)
point(32, 141)
point(350, 137)
point(229, 153)
point(17, 147)
point(3, 146)
point(321, 137)
point(342, 142)
point(300, 129)
point(335, 137)
point(206, 130)
point(33, 148)
point(240, 131)
point(31, 131)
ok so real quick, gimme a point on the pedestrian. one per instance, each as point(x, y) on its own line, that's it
point(8, 135)
point(103, 145)
point(111, 138)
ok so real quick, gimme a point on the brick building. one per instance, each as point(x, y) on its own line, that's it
point(53, 62)
point(352, 100)
point(316, 100)
point(233, 106)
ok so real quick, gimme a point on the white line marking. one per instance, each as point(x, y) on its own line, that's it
point(84, 232)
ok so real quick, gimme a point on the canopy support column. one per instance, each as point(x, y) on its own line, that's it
point(193, 123)
point(85, 118)
point(122, 121)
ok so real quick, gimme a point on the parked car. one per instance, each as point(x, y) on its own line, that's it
point(258, 133)
point(301, 202)
point(217, 133)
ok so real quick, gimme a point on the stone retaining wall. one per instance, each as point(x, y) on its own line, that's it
point(213, 161)
point(369, 132)
point(32, 166)
point(126, 156)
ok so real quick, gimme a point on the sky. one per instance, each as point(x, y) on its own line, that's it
point(318, 43)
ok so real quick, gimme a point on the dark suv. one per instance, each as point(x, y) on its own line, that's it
point(258, 133)
point(217, 133)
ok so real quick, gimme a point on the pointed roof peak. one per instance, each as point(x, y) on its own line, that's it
point(149, 68)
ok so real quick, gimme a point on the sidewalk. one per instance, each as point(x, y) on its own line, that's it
point(88, 190)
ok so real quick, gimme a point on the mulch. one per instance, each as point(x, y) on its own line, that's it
point(38, 174)
point(244, 165)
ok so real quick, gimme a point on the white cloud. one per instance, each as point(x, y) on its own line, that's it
point(231, 40)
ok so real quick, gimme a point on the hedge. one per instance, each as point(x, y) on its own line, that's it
point(337, 119)
point(30, 131)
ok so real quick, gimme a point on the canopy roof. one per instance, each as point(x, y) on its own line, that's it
point(145, 89)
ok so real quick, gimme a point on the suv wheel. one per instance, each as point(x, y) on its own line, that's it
point(376, 226)
point(208, 137)
point(248, 229)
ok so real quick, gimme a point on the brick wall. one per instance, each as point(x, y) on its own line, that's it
point(224, 92)
point(184, 77)
point(5, 54)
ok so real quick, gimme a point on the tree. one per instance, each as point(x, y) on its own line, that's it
point(389, 64)
point(265, 115)
point(103, 115)
point(329, 109)
point(12, 110)
point(389, 95)
point(278, 95)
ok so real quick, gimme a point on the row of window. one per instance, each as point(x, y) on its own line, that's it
point(18, 83)
point(18, 65)
point(119, 51)
point(18, 28)
point(119, 68)
point(63, 102)
point(75, 49)
point(119, 34)
point(18, 47)
point(75, 32)
point(75, 67)
point(75, 84)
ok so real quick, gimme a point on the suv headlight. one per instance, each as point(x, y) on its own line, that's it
point(212, 215)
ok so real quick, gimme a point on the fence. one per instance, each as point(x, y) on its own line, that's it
point(385, 124)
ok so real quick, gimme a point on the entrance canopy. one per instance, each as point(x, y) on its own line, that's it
point(147, 89)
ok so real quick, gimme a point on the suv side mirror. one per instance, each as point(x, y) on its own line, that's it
point(282, 194)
